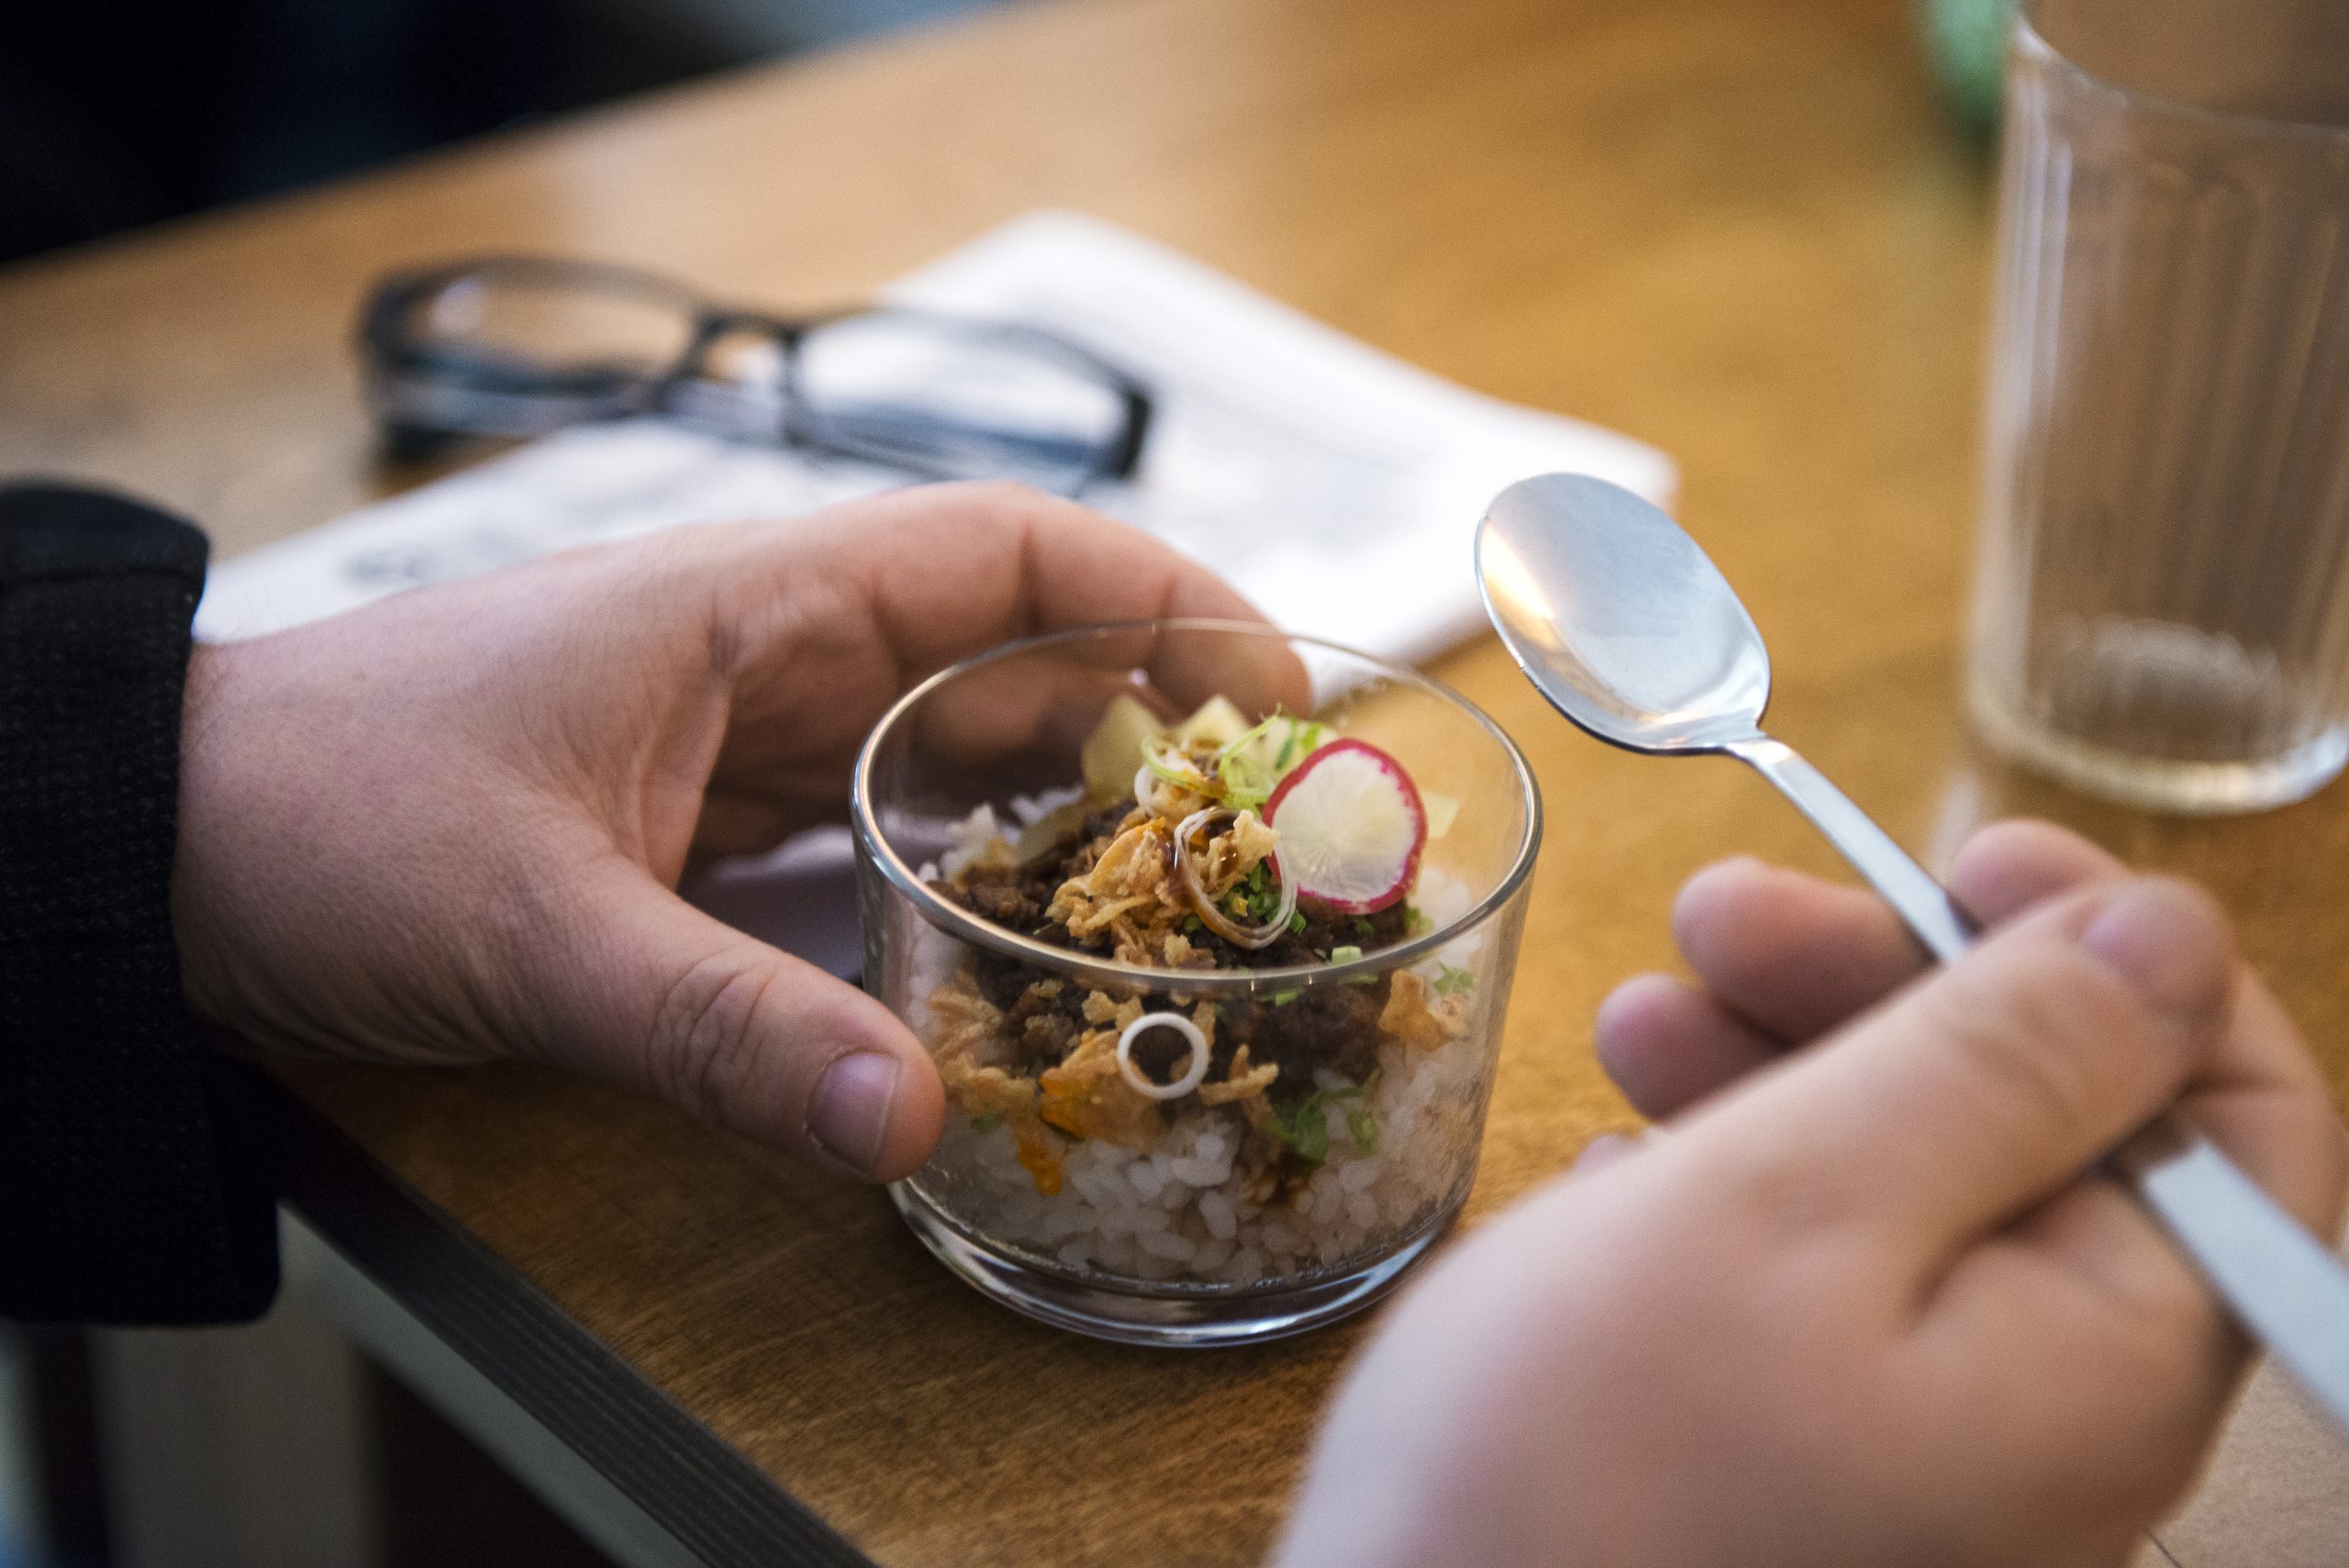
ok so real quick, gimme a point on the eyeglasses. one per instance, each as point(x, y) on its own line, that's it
point(519, 347)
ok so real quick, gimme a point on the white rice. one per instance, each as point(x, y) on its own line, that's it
point(1183, 1213)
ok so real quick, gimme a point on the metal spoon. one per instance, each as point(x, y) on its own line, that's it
point(1619, 620)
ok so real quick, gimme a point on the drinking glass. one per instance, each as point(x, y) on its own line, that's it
point(2162, 605)
point(1217, 1224)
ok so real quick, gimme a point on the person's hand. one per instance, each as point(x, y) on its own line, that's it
point(447, 828)
point(1861, 1305)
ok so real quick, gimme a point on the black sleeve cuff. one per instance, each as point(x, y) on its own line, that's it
point(129, 1191)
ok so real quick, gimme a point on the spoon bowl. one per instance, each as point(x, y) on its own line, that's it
point(1619, 618)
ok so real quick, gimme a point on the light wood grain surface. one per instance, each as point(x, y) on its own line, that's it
point(1741, 231)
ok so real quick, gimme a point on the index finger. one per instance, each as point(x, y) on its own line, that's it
point(819, 623)
point(1784, 957)
point(953, 570)
point(1795, 956)
point(1974, 1095)
point(2263, 1100)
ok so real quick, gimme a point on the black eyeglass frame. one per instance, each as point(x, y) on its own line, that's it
point(395, 358)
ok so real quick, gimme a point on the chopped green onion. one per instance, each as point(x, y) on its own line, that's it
point(1185, 776)
point(1346, 954)
point(1283, 998)
point(1247, 782)
point(1296, 924)
point(1456, 982)
point(1305, 1129)
point(1261, 898)
point(1304, 738)
point(1308, 1133)
point(1247, 766)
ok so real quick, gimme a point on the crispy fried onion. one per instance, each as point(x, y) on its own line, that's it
point(1130, 879)
point(968, 1024)
point(1242, 1083)
point(1195, 879)
point(1163, 797)
point(969, 1027)
point(1418, 1017)
point(1087, 1097)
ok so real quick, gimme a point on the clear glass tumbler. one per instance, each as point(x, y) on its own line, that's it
point(2162, 606)
point(1204, 1219)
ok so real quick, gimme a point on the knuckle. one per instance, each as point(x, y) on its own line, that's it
point(2054, 1035)
point(1809, 1210)
point(705, 1047)
point(2175, 1316)
point(997, 505)
point(2307, 1154)
point(1009, 498)
point(2153, 1304)
point(2164, 1333)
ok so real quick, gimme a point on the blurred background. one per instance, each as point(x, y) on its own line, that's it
point(115, 113)
point(119, 113)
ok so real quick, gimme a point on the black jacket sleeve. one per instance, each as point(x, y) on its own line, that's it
point(129, 1191)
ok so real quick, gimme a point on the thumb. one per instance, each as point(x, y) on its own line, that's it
point(656, 995)
point(1994, 1083)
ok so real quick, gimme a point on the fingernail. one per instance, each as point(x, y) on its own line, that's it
point(2171, 948)
point(851, 1112)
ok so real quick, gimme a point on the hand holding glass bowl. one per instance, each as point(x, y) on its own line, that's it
point(1211, 1078)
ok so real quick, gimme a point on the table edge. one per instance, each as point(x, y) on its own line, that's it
point(702, 1490)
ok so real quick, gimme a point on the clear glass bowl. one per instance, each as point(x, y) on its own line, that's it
point(1207, 1227)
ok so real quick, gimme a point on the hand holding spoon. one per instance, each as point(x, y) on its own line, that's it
point(1622, 623)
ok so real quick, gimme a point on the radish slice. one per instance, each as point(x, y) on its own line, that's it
point(1352, 827)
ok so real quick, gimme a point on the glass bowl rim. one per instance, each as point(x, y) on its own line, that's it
point(960, 923)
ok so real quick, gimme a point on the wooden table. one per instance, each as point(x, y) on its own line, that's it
point(1742, 231)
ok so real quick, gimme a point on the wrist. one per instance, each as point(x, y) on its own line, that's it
point(207, 804)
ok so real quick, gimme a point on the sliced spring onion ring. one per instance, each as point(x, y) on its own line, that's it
point(1149, 792)
point(1247, 781)
point(1305, 732)
point(1215, 919)
point(1247, 784)
point(1191, 1078)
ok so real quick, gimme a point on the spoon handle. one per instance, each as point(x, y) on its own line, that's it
point(2285, 1286)
point(1913, 894)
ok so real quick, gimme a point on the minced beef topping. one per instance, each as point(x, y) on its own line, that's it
point(1322, 1027)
